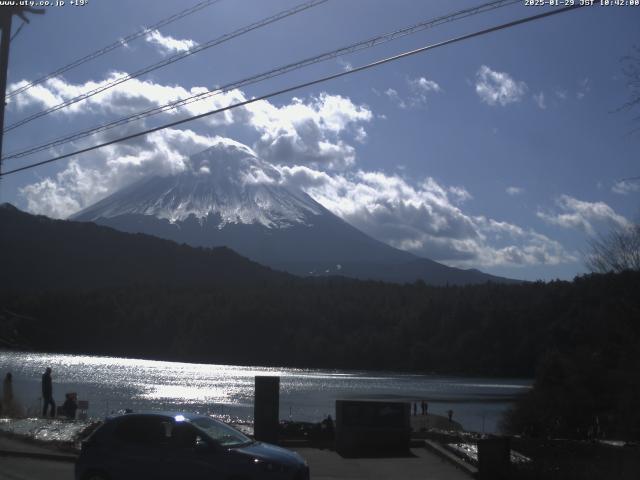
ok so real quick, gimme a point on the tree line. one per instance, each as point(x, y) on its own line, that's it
point(485, 329)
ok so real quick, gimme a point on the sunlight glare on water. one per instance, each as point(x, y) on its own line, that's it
point(111, 384)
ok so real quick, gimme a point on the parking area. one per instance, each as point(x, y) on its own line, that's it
point(422, 464)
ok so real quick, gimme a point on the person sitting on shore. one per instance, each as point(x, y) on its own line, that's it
point(70, 406)
point(327, 428)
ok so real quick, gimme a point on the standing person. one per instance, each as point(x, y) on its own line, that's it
point(450, 414)
point(47, 394)
point(426, 408)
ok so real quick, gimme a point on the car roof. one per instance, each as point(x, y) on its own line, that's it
point(161, 414)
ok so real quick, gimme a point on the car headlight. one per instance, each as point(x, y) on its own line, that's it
point(269, 466)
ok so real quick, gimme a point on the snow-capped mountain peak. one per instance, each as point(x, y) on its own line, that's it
point(227, 183)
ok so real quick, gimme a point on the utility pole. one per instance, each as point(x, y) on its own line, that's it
point(6, 16)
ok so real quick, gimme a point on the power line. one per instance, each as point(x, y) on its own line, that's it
point(123, 41)
point(365, 44)
point(303, 85)
point(170, 60)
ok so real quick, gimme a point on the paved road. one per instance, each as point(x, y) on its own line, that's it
point(325, 465)
point(12, 468)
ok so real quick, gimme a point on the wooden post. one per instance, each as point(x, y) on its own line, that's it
point(266, 409)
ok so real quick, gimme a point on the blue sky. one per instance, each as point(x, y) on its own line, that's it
point(503, 153)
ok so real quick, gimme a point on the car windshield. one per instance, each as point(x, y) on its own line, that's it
point(221, 433)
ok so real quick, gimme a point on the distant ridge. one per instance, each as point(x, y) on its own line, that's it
point(37, 252)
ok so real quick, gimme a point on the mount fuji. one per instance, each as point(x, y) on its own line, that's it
point(230, 197)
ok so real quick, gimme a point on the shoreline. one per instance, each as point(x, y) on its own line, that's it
point(67, 434)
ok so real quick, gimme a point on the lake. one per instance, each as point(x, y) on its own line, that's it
point(111, 384)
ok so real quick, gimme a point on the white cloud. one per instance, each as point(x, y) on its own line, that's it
point(129, 97)
point(419, 89)
point(423, 219)
point(309, 132)
point(303, 132)
point(625, 187)
point(395, 97)
point(360, 135)
point(584, 87)
point(345, 64)
point(167, 44)
point(459, 194)
point(85, 182)
point(560, 93)
point(391, 93)
point(582, 215)
point(421, 84)
point(540, 101)
point(514, 191)
point(498, 87)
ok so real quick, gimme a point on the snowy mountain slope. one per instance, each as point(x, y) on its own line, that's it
point(229, 197)
point(226, 181)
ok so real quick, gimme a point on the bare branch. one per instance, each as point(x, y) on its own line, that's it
point(616, 251)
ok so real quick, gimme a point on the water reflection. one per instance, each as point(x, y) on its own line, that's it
point(111, 384)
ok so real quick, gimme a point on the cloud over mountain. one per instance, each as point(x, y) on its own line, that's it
point(107, 170)
point(311, 142)
point(424, 219)
point(309, 132)
point(302, 131)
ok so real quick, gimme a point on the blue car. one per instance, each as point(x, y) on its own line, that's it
point(160, 446)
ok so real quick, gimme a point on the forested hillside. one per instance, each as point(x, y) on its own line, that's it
point(486, 329)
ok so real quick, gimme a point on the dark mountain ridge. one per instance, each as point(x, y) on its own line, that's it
point(37, 252)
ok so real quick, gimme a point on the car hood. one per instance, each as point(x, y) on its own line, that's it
point(271, 453)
